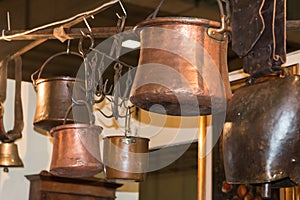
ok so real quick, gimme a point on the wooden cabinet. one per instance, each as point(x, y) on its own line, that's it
point(44, 186)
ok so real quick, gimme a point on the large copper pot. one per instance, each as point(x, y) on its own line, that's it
point(182, 66)
point(125, 158)
point(76, 150)
point(261, 136)
point(54, 97)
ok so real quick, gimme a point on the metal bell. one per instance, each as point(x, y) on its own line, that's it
point(9, 156)
point(261, 133)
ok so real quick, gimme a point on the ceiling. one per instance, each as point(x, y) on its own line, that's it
point(27, 14)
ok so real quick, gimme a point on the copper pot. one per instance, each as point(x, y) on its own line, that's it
point(76, 151)
point(54, 97)
point(125, 158)
point(182, 66)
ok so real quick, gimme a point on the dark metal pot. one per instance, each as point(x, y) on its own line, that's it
point(76, 150)
point(125, 158)
point(54, 97)
point(261, 136)
point(182, 66)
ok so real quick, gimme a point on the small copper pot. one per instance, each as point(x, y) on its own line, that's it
point(54, 97)
point(125, 158)
point(76, 150)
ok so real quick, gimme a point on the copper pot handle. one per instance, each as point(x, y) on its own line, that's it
point(155, 12)
point(39, 71)
point(128, 140)
point(220, 33)
point(80, 103)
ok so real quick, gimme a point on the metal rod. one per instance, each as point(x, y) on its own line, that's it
point(90, 14)
point(266, 191)
point(100, 32)
point(202, 158)
point(28, 48)
point(293, 25)
point(66, 23)
point(71, 33)
point(8, 20)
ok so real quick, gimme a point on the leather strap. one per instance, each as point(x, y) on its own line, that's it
point(3, 79)
point(247, 25)
point(259, 35)
point(3, 85)
point(16, 132)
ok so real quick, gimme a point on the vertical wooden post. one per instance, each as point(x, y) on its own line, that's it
point(289, 193)
point(202, 158)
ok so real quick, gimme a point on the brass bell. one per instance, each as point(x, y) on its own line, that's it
point(9, 156)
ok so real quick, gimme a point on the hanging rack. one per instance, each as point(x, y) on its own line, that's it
point(62, 29)
point(70, 33)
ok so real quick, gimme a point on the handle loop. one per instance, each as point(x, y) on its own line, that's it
point(220, 33)
point(39, 71)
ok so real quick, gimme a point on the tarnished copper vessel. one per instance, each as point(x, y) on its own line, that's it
point(261, 134)
point(76, 151)
point(125, 158)
point(54, 97)
point(182, 66)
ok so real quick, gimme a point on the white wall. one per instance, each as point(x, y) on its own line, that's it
point(34, 148)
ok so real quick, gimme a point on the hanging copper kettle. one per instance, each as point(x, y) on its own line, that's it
point(182, 66)
point(261, 134)
point(76, 149)
point(54, 97)
point(125, 158)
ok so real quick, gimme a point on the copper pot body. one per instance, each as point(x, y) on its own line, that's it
point(125, 158)
point(53, 98)
point(261, 134)
point(181, 67)
point(76, 150)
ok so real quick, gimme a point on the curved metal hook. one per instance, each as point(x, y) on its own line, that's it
point(121, 19)
point(68, 46)
point(102, 113)
point(82, 51)
point(88, 26)
point(123, 9)
point(220, 33)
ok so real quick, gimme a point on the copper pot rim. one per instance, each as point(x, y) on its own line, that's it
point(123, 136)
point(269, 79)
point(56, 129)
point(57, 78)
point(178, 20)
